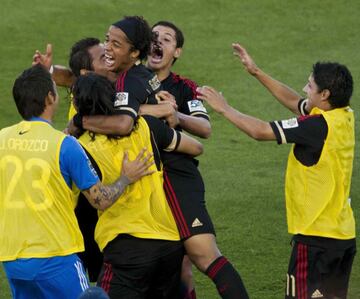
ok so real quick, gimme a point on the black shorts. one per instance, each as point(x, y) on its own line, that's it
point(319, 268)
point(186, 198)
point(136, 268)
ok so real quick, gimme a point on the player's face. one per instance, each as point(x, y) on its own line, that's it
point(312, 91)
point(118, 54)
point(164, 51)
point(97, 54)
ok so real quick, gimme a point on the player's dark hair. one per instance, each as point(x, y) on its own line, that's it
point(94, 95)
point(178, 33)
point(80, 57)
point(138, 33)
point(337, 79)
point(31, 89)
point(179, 36)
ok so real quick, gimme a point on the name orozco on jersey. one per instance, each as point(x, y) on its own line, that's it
point(28, 145)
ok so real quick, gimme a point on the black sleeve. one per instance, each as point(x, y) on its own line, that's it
point(190, 105)
point(131, 93)
point(308, 130)
point(165, 137)
point(301, 106)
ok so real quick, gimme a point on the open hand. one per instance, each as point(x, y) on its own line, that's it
point(214, 98)
point(136, 169)
point(245, 58)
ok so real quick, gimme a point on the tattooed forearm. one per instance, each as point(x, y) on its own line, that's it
point(102, 197)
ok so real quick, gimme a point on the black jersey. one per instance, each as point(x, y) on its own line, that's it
point(134, 87)
point(184, 91)
point(308, 132)
point(181, 167)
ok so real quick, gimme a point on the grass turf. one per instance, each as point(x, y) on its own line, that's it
point(244, 179)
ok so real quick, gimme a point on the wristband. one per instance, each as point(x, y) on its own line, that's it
point(77, 120)
point(51, 70)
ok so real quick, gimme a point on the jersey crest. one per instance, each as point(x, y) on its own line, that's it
point(290, 123)
point(122, 99)
point(196, 105)
point(154, 83)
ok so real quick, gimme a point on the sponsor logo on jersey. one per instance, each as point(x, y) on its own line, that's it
point(154, 83)
point(196, 223)
point(317, 294)
point(290, 123)
point(196, 105)
point(122, 99)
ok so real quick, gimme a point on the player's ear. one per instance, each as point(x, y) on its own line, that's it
point(135, 54)
point(325, 94)
point(178, 52)
point(50, 98)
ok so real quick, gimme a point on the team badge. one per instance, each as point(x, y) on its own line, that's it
point(290, 123)
point(122, 99)
point(154, 83)
point(196, 105)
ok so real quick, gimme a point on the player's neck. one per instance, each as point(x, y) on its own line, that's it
point(163, 73)
point(48, 114)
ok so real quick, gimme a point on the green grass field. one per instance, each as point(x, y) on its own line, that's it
point(244, 178)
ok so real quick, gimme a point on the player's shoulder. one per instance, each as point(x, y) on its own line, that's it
point(139, 74)
point(176, 78)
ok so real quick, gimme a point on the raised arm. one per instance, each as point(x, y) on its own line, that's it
point(103, 196)
point(253, 127)
point(284, 94)
point(60, 74)
point(63, 76)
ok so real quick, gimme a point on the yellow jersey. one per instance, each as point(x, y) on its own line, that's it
point(37, 218)
point(317, 196)
point(142, 211)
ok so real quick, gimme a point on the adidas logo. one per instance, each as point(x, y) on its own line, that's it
point(317, 294)
point(196, 223)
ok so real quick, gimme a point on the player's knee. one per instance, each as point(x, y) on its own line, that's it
point(203, 261)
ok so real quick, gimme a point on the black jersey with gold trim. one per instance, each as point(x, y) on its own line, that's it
point(184, 91)
point(134, 87)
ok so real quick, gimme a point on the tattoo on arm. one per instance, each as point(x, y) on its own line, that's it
point(103, 196)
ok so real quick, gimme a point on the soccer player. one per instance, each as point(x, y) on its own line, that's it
point(138, 235)
point(88, 55)
point(127, 43)
point(184, 185)
point(318, 175)
point(39, 234)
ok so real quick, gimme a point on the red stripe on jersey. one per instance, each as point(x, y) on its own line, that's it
point(120, 82)
point(108, 275)
point(305, 117)
point(175, 208)
point(193, 86)
point(175, 213)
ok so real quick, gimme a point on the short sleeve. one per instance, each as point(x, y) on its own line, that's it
point(310, 130)
point(75, 165)
point(165, 137)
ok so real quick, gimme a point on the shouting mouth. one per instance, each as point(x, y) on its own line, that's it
point(156, 53)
